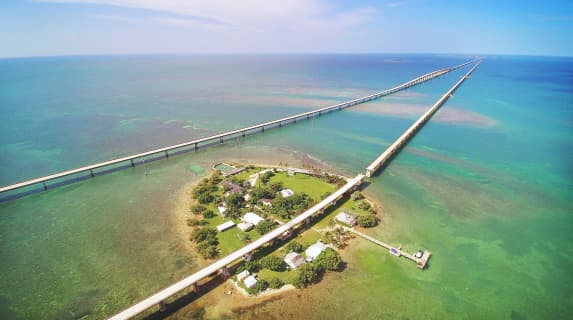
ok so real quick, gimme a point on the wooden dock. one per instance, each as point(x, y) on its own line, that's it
point(420, 262)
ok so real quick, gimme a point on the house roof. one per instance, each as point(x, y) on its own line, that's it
point(313, 251)
point(243, 275)
point(225, 226)
point(245, 226)
point(285, 193)
point(252, 217)
point(346, 218)
point(293, 259)
point(250, 281)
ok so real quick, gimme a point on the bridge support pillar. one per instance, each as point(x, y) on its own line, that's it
point(132, 164)
point(166, 154)
point(280, 124)
point(221, 140)
point(225, 272)
point(263, 129)
point(45, 186)
point(308, 220)
point(243, 133)
point(92, 173)
point(162, 307)
point(196, 147)
point(369, 173)
point(195, 287)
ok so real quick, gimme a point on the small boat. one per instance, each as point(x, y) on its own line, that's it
point(395, 251)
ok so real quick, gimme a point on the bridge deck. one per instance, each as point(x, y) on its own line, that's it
point(221, 263)
point(242, 131)
point(409, 133)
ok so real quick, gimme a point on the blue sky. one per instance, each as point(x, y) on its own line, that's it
point(69, 27)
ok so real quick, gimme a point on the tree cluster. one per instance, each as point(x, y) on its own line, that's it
point(286, 208)
point(333, 179)
point(367, 221)
point(272, 263)
point(203, 191)
point(206, 240)
point(309, 273)
point(265, 226)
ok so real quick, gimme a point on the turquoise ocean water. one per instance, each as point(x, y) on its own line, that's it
point(486, 185)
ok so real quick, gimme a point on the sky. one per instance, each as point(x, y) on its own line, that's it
point(94, 27)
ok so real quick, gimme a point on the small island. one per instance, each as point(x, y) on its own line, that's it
point(237, 204)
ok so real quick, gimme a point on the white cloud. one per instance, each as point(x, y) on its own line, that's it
point(116, 17)
point(244, 14)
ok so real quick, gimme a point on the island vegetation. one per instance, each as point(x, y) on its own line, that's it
point(230, 211)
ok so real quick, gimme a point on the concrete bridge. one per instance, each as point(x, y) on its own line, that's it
point(136, 159)
point(411, 131)
point(221, 264)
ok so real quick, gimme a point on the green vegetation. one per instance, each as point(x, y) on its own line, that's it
point(206, 239)
point(273, 263)
point(357, 195)
point(328, 260)
point(295, 246)
point(286, 208)
point(307, 274)
point(368, 221)
point(197, 209)
point(276, 283)
point(266, 177)
point(338, 237)
point(208, 214)
point(265, 226)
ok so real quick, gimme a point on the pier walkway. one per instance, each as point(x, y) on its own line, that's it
point(420, 262)
point(409, 133)
point(136, 159)
point(221, 264)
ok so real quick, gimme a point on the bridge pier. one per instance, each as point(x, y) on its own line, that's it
point(162, 307)
point(132, 164)
point(221, 140)
point(166, 154)
point(196, 287)
point(225, 272)
point(45, 186)
point(196, 147)
point(92, 173)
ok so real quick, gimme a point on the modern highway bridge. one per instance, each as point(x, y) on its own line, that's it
point(133, 160)
point(220, 266)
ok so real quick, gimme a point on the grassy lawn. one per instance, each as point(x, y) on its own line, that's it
point(286, 276)
point(347, 205)
point(312, 186)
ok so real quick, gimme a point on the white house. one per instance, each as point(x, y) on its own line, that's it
point(222, 208)
point(285, 193)
point(225, 226)
point(250, 281)
point(252, 218)
point(346, 218)
point(245, 226)
point(313, 251)
point(293, 260)
point(243, 275)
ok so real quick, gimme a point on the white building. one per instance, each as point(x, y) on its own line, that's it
point(225, 226)
point(313, 251)
point(222, 208)
point(245, 226)
point(243, 275)
point(250, 281)
point(285, 193)
point(293, 260)
point(252, 218)
point(346, 218)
